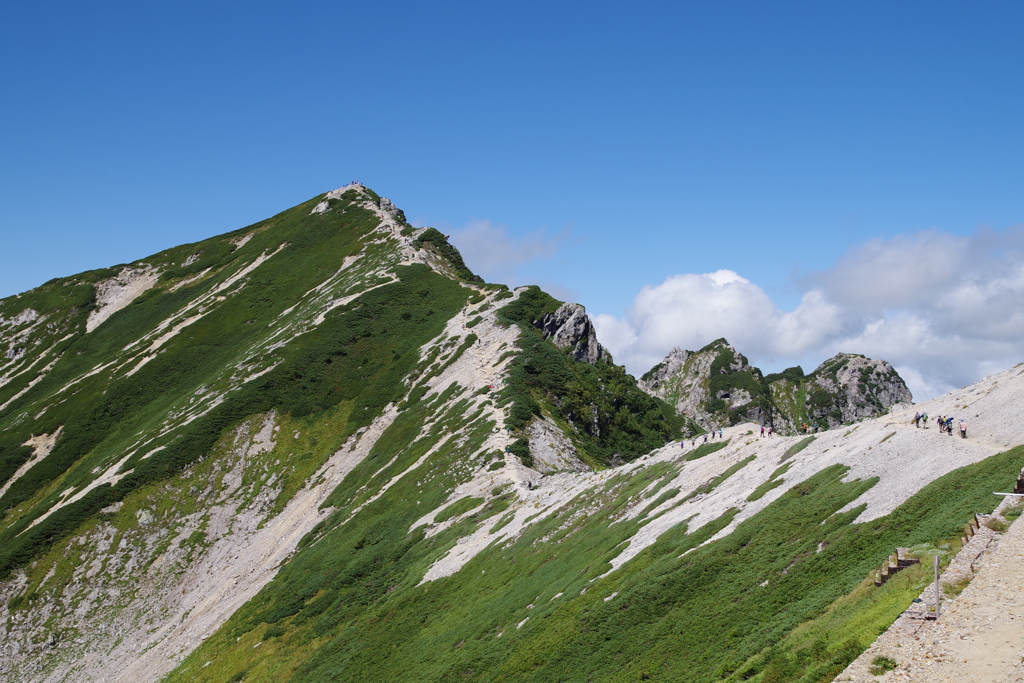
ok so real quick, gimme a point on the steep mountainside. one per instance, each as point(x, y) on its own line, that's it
point(319, 448)
point(716, 386)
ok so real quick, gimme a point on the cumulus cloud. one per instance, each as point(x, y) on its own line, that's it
point(691, 310)
point(946, 310)
point(492, 252)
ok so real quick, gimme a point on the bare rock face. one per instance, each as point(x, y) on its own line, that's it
point(704, 385)
point(571, 327)
point(716, 387)
point(552, 451)
point(656, 381)
point(850, 387)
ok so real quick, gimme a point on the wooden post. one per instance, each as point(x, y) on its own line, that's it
point(936, 586)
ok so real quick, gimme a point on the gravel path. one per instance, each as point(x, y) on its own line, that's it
point(979, 637)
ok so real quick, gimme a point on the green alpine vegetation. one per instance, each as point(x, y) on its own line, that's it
point(321, 448)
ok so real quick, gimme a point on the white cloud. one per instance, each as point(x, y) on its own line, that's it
point(903, 271)
point(945, 310)
point(691, 310)
point(489, 250)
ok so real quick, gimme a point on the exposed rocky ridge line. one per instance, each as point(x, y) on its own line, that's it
point(392, 226)
point(716, 386)
point(570, 327)
point(684, 380)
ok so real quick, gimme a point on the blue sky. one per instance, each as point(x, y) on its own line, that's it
point(617, 155)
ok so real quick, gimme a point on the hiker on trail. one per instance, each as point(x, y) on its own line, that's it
point(924, 420)
point(762, 431)
point(942, 423)
point(705, 438)
point(949, 426)
point(963, 428)
point(917, 419)
point(770, 430)
point(719, 433)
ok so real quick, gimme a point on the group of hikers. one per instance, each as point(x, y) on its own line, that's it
point(945, 423)
point(920, 420)
point(769, 431)
point(814, 427)
point(712, 433)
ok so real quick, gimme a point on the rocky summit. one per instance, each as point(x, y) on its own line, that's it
point(716, 386)
point(320, 448)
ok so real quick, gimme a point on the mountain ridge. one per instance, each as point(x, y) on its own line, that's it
point(317, 447)
point(717, 386)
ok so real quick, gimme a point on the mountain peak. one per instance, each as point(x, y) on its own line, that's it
point(716, 386)
point(314, 448)
point(417, 245)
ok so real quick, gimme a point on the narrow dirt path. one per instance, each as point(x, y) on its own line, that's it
point(979, 637)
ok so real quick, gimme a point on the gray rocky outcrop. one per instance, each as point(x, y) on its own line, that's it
point(858, 387)
point(551, 449)
point(685, 380)
point(716, 387)
point(570, 327)
point(657, 380)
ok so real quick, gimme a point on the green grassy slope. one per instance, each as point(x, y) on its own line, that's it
point(315, 320)
point(360, 353)
point(540, 608)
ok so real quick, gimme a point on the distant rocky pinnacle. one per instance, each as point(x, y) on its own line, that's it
point(716, 387)
point(571, 327)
